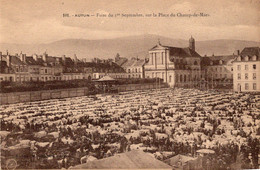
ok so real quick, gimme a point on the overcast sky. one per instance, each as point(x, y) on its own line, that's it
point(37, 21)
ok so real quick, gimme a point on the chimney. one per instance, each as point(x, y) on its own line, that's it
point(35, 57)
point(63, 59)
point(8, 60)
point(44, 56)
point(75, 59)
point(238, 52)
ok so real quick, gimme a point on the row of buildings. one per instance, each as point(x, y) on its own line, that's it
point(179, 67)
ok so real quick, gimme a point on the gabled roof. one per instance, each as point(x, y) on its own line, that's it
point(135, 159)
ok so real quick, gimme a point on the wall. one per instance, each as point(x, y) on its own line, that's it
point(18, 97)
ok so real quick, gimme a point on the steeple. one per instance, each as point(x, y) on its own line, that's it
point(192, 43)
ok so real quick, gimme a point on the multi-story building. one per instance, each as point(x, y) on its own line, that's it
point(218, 70)
point(134, 67)
point(107, 67)
point(246, 69)
point(14, 68)
point(176, 66)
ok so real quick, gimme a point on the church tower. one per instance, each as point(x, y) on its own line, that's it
point(192, 43)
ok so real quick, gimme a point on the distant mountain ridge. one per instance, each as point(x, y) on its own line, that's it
point(131, 46)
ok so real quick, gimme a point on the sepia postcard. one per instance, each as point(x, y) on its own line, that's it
point(130, 84)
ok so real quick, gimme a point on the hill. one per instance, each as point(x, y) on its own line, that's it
point(131, 46)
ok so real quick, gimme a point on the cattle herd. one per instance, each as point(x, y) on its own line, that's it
point(62, 133)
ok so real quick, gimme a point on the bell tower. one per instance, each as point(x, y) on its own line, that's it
point(192, 43)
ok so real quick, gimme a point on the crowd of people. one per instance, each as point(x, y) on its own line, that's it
point(62, 133)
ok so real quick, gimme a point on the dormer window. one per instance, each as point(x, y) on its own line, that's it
point(220, 62)
point(239, 58)
point(211, 62)
point(254, 58)
point(246, 58)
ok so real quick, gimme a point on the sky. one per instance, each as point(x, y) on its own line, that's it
point(37, 21)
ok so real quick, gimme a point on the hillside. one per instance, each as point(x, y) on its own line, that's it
point(131, 46)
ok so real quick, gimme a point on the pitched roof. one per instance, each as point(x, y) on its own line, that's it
point(121, 61)
point(14, 60)
point(177, 51)
point(106, 78)
point(139, 63)
point(216, 59)
point(173, 161)
point(135, 159)
point(250, 52)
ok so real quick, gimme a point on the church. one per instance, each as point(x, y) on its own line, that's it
point(178, 67)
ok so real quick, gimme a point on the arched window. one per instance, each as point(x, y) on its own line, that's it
point(254, 58)
point(239, 58)
point(170, 78)
point(180, 78)
point(246, 58)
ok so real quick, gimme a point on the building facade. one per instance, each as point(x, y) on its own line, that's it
point(176, 66)
point(218, 70)
point(247, 70)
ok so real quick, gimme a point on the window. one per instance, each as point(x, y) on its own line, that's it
point(180, 78)
point(184, 78)
point(246, 76)
point(238, 76)
point(254, 86)
point(177, 79)
point(129, 71)
point(238, 67)
point(170, 78)
point(152, 59)
point(246, 86)
point(220, 69)
point(225, 75)
point(246, 67)
point(162, 57)
point(231, 68)
point(45, 70)
point(239, 87)
point(254, 66)
point(162, 75)
point(152, 75)
point(220, 76)
point(254, 76)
